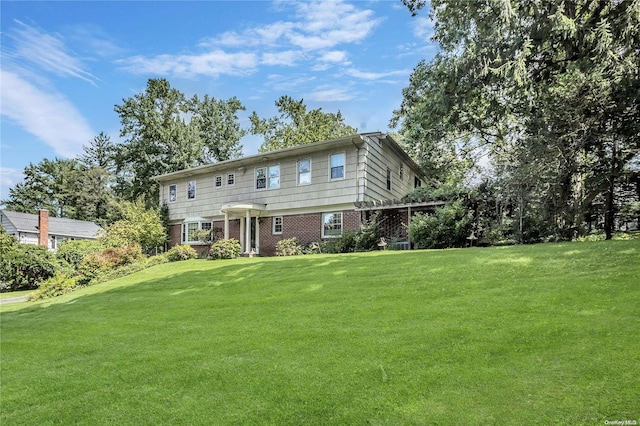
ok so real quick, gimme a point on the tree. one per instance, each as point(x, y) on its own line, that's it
point(139, 225)
point(99, 153)
point(551, 88)
point(164, 132)
point(50, 184)
point(295, 126)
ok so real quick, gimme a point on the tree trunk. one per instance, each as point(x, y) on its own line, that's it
point(609, 214)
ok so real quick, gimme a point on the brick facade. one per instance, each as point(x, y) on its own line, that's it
point(306, 227)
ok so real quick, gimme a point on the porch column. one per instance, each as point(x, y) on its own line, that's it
point(242, 240)
point(247, 230)
point(257, 235)
point(226, 225)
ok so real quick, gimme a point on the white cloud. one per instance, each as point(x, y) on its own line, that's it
point(210, 64)
point(423, 28)
point(288, 58)
point(10, 177)
point(48, 52)
point(376, 75)
point(330, 94)
point(319, 26)
point(46, 115)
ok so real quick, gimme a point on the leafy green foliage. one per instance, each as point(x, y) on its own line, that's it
point(96, 264)
point(547, 91)
point(225, 249)
point(140, 225)
point(7, 242)
point(73, 252)
point(295, 126)
point(56, 286)
point(448, 227)
point(26, 266)
point(288, 247)
point(181, 252)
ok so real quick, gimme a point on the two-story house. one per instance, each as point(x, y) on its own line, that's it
point(313, 192)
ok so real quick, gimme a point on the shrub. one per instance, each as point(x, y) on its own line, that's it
point(288, 247)
point(26, 266)
point(157, 260)
point(448, 227)
point(56, 286)
point(181, 252)
point(225, 249)
point(73, 252)
point(99, 263)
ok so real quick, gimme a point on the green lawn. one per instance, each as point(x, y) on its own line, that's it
point(545, 334)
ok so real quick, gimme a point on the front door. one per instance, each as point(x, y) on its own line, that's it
point(253, 234)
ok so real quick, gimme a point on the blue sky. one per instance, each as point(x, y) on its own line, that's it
point(65, 65)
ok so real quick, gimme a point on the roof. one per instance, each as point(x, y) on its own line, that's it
point(26, 222)
point(357, 140)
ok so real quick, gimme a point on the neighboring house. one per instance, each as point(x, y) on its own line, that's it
point(313, 192)
point(40, 229)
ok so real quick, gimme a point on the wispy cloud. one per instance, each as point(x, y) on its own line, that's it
point(47, 115)
point(317, 28)
point(46, 51)
point(376, 75)
point(423, 28)
point(330, 94)
point(212, 64)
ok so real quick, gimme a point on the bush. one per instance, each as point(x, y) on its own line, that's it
point(99, 263)
point(288, 247)
point(448, 227)
point(225, 249)
point(56, 286)
point(26, 266)
point(73, 252)
point(181, 252)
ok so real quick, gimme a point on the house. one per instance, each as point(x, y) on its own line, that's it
point(40, 229)
point(313, 192)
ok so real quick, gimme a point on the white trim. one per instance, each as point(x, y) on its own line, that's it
point(273, 225)
point(215, 181)
point(234, 178)
point(341, 224)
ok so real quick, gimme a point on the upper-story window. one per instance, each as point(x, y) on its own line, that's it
point(268, 177)
point(191, 190)
point(336, 163)
point(304, 172)
point(401, 172)
point(388, 179)
point(217, 182)
point(231, 179)
point(417, 183)
point(173, 193)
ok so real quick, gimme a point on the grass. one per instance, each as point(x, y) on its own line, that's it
point(545, 334)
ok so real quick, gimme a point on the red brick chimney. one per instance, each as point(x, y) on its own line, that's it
point(43, 226)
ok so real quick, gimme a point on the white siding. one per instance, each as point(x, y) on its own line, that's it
point(379, 157)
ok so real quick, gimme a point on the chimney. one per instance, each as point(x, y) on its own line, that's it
point(43, 226)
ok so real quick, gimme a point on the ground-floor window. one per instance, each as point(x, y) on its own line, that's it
point(277, 225)
point(332, 225)
point(192, 231)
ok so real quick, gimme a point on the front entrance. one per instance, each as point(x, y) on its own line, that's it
point(249, 216)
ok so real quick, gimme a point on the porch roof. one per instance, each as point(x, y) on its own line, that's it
point(242, 208)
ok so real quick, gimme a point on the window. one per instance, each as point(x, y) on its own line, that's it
point(304, 172)
point(401, 171)
point(388, 179)
point(190, 231)
point(331, 225)
point(277, 225)
point(261, 178)
point(191, 190)
point(231, 179)
point(337, 166)
point(274, 177)
point(268, 177)
point(173, 193)
point(218, 182)
point(417, 183)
